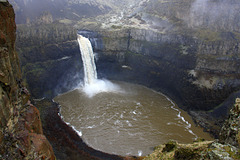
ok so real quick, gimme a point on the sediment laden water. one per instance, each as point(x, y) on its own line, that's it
point(130, 121)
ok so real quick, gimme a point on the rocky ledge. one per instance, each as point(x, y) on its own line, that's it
point(207, 150)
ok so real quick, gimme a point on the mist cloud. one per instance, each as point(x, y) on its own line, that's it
point(216, 14)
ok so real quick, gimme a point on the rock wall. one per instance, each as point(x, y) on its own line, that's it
point(21, 135)
point(198, 74)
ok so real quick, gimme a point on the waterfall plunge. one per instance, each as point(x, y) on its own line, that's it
point(90, 73)
point(92, 85)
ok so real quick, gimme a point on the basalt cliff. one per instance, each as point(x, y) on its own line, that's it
point(21, 134)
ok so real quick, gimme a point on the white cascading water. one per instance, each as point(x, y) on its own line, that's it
point(92, 85)
point(90, 73)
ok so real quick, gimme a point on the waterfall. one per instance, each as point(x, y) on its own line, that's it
point(92, 85)
point(90, 73)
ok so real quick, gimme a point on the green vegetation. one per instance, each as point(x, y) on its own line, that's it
point(129, 53)
point(88, 24)
point(33, 73)
point(186, 154)
point(35, 69)
point(208, 35)
point(116, 27)
point(170, 146)
point(236, 35)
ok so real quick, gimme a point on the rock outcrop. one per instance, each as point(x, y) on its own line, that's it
point(207, 150)
point(21, 135)
point(230, 132)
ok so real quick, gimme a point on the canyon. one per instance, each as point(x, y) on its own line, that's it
point(170, 46)
point(187, 49)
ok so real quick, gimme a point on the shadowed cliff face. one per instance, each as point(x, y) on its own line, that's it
point(198, 73)
point(50, 58)
point(21, 135)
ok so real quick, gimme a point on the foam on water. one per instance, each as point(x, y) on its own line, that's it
point(140, 153)
point(99, 86)
point(188, 125)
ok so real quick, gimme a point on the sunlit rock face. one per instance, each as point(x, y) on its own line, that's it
point(21, 135)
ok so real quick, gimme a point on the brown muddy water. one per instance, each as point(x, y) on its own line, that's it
point(129, 121)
